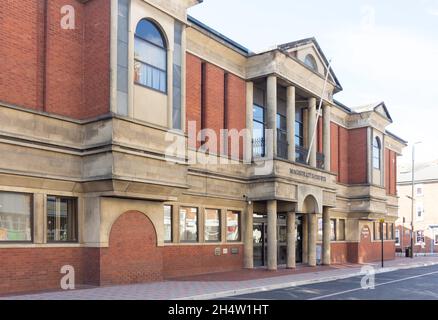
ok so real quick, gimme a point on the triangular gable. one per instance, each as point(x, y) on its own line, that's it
point(383, 110)
point(299, 49)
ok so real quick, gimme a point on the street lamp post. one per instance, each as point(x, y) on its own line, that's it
point(412, 198)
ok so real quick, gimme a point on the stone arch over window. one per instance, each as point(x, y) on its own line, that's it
point(150, 65)
point(310, 61)
point(377, 153)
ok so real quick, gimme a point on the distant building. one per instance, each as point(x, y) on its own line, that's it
point(425, 209)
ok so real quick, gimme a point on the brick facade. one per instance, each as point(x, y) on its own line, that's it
point(349, 157)
point(390, 172)
point(132, 257)
point(65, 72)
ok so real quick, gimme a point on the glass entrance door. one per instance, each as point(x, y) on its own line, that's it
point(299, 241)
point(260, 240)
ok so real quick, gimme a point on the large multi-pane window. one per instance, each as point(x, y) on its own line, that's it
point(377, 147)
point(62, 219)
point(150, 65)
point(15, 217)
point(333, 230)
point(299, 128)
point(212, 230)
point(341, 230)
point(259, 131)
point(168, 223)
point(233, 226)
point(281, 136)
point(419, 236)
point(188, 224)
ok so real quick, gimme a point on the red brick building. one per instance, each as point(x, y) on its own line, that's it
point(99, 104)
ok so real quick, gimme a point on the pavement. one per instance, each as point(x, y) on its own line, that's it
point(228, 284)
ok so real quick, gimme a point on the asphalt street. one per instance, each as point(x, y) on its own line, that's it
point(411, 284)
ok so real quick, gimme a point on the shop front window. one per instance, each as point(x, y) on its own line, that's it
point(233, 226)
point(15, 217)
point(212, 225)
point(188, 224)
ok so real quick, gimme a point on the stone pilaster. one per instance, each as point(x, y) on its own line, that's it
point(272, 235)
point(290, 115)
point(291, 240)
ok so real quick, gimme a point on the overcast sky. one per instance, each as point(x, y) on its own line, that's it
point(383, 50)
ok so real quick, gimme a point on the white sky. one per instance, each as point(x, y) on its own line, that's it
point(382, 50)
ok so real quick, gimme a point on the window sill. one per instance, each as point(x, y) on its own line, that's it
point(40, 245)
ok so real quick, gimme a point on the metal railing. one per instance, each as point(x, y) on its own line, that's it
point(258, 148)
point(320, 161)
point(301, 154)
point(282, 148)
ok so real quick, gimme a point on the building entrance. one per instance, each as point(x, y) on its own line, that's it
point(260, 238)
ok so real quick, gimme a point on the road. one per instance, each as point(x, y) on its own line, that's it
point(411, 284)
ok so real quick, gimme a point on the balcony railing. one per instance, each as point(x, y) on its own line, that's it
point(258, 148)
point(320, 161)
point(282, 148)
point(301, 154)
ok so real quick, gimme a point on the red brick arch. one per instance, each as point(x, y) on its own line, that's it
point(132, 255)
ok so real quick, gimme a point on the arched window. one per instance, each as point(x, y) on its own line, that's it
point(311, 62)
point(377, 150)
point(150, 56)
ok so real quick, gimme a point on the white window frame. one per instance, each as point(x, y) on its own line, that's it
point(418, 206)
point(397, 237)
point(416, 237)
point(422, 190)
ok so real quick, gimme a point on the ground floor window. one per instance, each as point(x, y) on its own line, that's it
point(212, 228)
point(436, 238)
point(320, 229)
point(332, 229)
point(377, 231)
point(188, 224)
point(419, 236)
point(385, 231)
point(397, 237)
point(62, 219)
point(341, 231)
point(233, 226)
point(15, 217)
point(168, 223)
point(390, 231)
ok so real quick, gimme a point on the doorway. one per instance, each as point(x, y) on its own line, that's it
point(260, 239)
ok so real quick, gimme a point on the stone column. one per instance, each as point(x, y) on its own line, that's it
point(326, 136)
point(312, 127)
point(40, 218)
point(248, 254)
point(271, 115)
point(312, 223)
point(290, 119)
point(305, 238)
point(249, 121)
point(326, 230)
point(272, 234)
point(291, 240)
